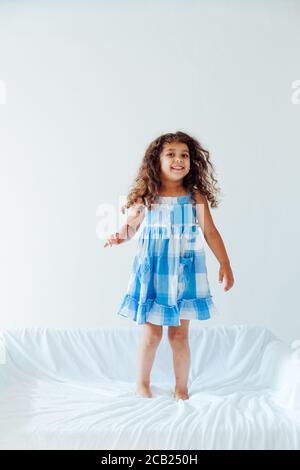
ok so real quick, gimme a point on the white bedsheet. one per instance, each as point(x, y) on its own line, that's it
point(74, 389)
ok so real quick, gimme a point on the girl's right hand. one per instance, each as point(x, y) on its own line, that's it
point(114, 239)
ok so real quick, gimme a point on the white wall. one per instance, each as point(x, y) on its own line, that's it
point(88, 85)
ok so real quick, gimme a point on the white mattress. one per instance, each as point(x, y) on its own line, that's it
point(74, 389)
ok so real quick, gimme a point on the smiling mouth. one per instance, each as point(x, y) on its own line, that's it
point(177, 168)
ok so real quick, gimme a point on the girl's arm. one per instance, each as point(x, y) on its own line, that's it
point(136, 214)
point(213, 239)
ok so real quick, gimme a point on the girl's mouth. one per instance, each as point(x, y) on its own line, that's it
point(181, 168)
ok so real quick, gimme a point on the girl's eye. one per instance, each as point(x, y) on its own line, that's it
point(184, 155)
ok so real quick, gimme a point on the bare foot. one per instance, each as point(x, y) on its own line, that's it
point(181, 394)
point(144, 391)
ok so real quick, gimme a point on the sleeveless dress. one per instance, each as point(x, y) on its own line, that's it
point(168, 280)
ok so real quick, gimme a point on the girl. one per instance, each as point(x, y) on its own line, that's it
point(168, 284)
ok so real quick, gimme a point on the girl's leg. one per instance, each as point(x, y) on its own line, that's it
point(179, 341)
point(150, 340)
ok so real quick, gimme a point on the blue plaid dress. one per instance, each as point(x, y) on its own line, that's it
point(168, 281)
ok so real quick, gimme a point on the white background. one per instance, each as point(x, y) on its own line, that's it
point(88, 86)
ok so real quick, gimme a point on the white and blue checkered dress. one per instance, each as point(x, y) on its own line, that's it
point(168, 281)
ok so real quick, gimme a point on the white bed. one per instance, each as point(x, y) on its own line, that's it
point(74, 389)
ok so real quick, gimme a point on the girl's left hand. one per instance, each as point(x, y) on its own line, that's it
point(225, 271)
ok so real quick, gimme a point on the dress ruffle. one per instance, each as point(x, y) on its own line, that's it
point(201, 308)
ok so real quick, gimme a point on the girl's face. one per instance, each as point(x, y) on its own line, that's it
point(174, 161)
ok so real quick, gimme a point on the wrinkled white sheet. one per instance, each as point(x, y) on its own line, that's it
point(74, 389)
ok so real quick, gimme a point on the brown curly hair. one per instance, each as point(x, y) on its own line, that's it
point(200, 178)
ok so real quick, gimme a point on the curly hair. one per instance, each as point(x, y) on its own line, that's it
point(201, 176)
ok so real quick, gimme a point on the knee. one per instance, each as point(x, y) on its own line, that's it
point(177, 338)
point(153, 337)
